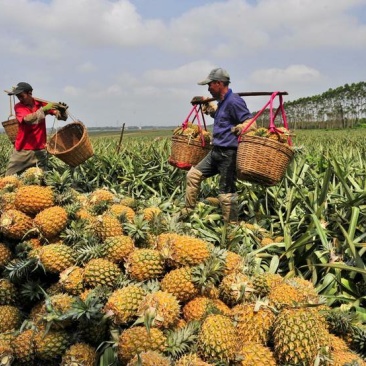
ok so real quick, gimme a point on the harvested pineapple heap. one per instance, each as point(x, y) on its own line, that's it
point(90, 278)
point(280, 134)
point(193, 131)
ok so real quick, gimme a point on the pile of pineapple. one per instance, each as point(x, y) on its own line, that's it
point(280, 134)
point(193, 132)
point(97, 279)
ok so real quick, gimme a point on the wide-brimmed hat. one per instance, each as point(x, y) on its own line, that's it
point(217, 74)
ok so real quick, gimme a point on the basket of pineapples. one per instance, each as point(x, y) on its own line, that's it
point(11, 128)
point(265, 153)
point(190, 144)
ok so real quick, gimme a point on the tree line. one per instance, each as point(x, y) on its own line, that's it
point(343, 107)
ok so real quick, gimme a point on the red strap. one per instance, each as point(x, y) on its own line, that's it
point(196, 115)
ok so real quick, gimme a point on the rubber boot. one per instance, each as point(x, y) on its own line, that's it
point(194, 179)
point(229, 207)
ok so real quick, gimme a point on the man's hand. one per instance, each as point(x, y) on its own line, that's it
point(61, 115)
point(198, 100)
point(243, 128)
point(209, 108)
point(61, 106)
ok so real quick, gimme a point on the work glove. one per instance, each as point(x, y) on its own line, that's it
point(48, 107)
point(61, 115)
point(209, 108)
point(61, 106)
point(238, 129)
point(198, 99)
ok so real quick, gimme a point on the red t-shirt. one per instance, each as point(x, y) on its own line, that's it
point(30, 137)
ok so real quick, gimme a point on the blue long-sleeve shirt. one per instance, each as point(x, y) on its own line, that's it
point(231, 111)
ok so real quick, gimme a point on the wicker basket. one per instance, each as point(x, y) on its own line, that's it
point(186, 152)
point(262, 160)
point(11, 127)
point(71, 144)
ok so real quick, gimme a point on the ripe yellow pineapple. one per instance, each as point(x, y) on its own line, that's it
point(5, 255)
point(299, 334)
point(346, 357)
point(179, 283)
point(100, 194)
point(284, 296)
point(163, 306)
point(217, 341)
point(236, 287)
point(256, 354)
point(233, 262)
point(264, 282)
point(117, 248)
point(72, 280)
point(145, 264)
point(191, 359)
point(108, 225)
point(51, 221)
point(34, 198)
point(128, 201)
point(197, 308)
point(6, 353)
point(7, 201)
point(101, 271)
point(56, 257)
point(149, 213)
point(150, 358)
point(51, 345)
point(124, 211)
point(253, 325)
point(15, 224)
point(79, 354)
point(138, 339)
point(11, 318)
point(123, 303)
point(23, 347)
point(8, 292)
point(32, 175)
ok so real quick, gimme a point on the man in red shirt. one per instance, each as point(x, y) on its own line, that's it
point(30, 144)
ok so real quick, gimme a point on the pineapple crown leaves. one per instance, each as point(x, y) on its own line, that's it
point(60, 182)
point(19, 270)
point(340, 322)
point(32, 290)
point(90, 309)
point(138, 229)
point(151, 286)
point(182, 340)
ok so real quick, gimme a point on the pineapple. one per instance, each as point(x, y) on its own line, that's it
point(7, 201)
point(179, 283)
point(217, 341)
point(122, 304)
point(23, 346)
point(8, 292)
point(55, 258)
point(5, 255)
point(101, 271)
point(107, 225)
point(51, 221)
point(149, 358)
point(299, 335)
point(72, 280)
point(264, 282)
point(15, 224)
point(345, 358)
point(124, 211)
point(145, 264)
point(117, 248)
point(235, 288)
point(6, 353)
point(256, 354)
point(197, 308)
point(11, 318)
point(32, 176)
point(9, 182)
point(100, 194)
point(233, 262)
point(51, 345)
point(163, 306)
point(33, 199)
point(284, 295)
point(253, 324)
point(191, 359)
point(79, 354)
point(135, 340)
point(128, 201)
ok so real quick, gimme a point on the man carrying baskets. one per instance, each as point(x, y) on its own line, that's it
point(230, 117)
point(30, 144)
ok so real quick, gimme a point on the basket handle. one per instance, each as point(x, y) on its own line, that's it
point(195, 110)
point(272, 116)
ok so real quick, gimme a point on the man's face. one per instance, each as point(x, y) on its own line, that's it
point(25, 98)
point(214, 87)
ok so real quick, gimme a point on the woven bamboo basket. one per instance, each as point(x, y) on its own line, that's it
point(71, 144)
point(11, 128)
point(262, 160)
point(187, 152)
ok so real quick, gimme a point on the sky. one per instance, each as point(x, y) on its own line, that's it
point(138, 62)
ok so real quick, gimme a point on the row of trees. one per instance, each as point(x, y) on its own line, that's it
point(343, 107)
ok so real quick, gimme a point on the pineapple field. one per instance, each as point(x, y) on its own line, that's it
point(98, 268)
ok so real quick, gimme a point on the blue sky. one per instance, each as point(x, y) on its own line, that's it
point(138, 62)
